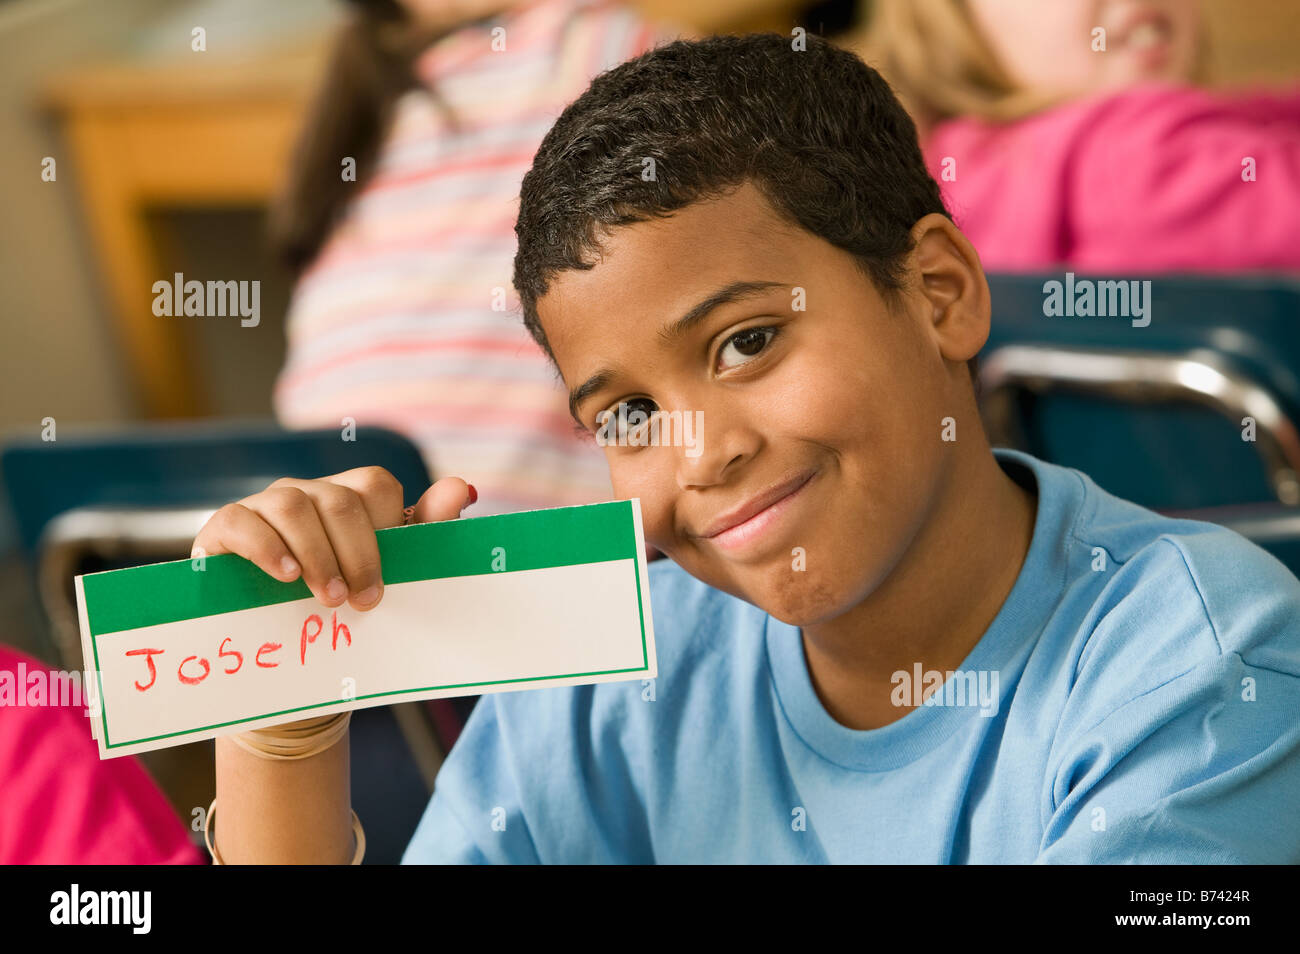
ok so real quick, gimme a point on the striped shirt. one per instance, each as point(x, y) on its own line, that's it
point(407, 318)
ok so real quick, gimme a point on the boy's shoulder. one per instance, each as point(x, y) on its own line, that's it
point(1180, 571)
point(1148, 599)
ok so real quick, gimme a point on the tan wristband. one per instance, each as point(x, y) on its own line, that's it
point(297, 740)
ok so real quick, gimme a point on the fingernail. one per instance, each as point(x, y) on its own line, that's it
point(473, 495)
point(337, 589)
point(368, 595)
point(289, 566)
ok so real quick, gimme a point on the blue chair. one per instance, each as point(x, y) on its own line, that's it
point(103, 500)
point(1195, 413)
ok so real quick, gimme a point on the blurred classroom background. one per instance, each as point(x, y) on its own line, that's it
point(166, 161)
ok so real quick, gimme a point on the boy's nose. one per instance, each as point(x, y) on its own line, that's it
point(721, 448)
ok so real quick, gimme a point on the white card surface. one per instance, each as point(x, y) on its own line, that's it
point(188, 650)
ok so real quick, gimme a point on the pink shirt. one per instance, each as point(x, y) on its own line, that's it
point(1154, 177)
point(61, 804)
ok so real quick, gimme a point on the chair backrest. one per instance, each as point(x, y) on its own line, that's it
point(89, 502)
point(185, 464)
point(141, 493)
point(1192, 405)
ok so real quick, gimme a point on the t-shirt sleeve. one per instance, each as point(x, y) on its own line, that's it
point(1203, 770)
point(1200, 762)
point(475, 815)
point(554, 775)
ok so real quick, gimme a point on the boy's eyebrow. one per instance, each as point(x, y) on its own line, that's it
point(585, 390)
point(736, 291)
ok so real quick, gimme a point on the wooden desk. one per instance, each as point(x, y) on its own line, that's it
point(196, 133)
point(203, 131)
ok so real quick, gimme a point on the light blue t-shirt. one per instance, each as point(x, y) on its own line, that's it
point(1146, 708)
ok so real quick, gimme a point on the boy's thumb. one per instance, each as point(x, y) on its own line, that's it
point(444, 501)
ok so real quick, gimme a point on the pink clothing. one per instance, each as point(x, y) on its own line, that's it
point(1149, 178)
point(61, 804)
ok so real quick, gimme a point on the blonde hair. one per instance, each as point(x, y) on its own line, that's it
point(935, 56)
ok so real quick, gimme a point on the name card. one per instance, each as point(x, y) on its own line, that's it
point(193, 649)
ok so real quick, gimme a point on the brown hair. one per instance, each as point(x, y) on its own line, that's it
point(817, 131)
point(370, 67)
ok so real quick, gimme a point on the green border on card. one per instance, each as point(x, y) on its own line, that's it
point(133, 598)
point(550, 538)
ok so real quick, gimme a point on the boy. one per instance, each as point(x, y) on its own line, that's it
point(743, 229)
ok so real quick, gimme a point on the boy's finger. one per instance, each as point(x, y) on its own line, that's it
point(292, 514)
point(351, 534)
point(236, 529)
point(444, 500)
point(380, 492)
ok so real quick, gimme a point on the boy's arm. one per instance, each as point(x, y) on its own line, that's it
point(1181, 742)
point(281, 811)
point(1195, 772)
point(294, 811)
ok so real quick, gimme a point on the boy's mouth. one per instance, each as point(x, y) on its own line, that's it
point(739, 526)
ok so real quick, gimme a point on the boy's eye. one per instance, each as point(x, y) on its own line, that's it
point(637, 410)
point(625, 418)
point(744, 345)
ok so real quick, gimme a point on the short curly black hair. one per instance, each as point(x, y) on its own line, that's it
point(818, 131)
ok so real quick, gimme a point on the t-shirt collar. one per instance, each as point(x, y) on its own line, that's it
point(1002, 649)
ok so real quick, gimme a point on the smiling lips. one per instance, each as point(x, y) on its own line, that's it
point(739, 526)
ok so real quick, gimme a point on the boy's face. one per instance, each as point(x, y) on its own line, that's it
point(820, 452)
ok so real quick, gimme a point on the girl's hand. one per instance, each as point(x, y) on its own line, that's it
point(324, 530)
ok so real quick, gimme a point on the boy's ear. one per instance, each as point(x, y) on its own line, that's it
point(952, 281)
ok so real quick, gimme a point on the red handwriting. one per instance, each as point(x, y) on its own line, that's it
point(221, 651)
point(148, 655)
point(347, 633)
point(313, 618)
point(265, 650)
point(192, 680)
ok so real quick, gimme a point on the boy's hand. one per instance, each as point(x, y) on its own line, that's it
point(325, 529)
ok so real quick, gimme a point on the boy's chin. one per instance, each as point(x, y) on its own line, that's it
point(802, 600)
point(784, 590)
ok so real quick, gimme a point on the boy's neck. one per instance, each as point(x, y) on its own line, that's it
point(937, 602)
